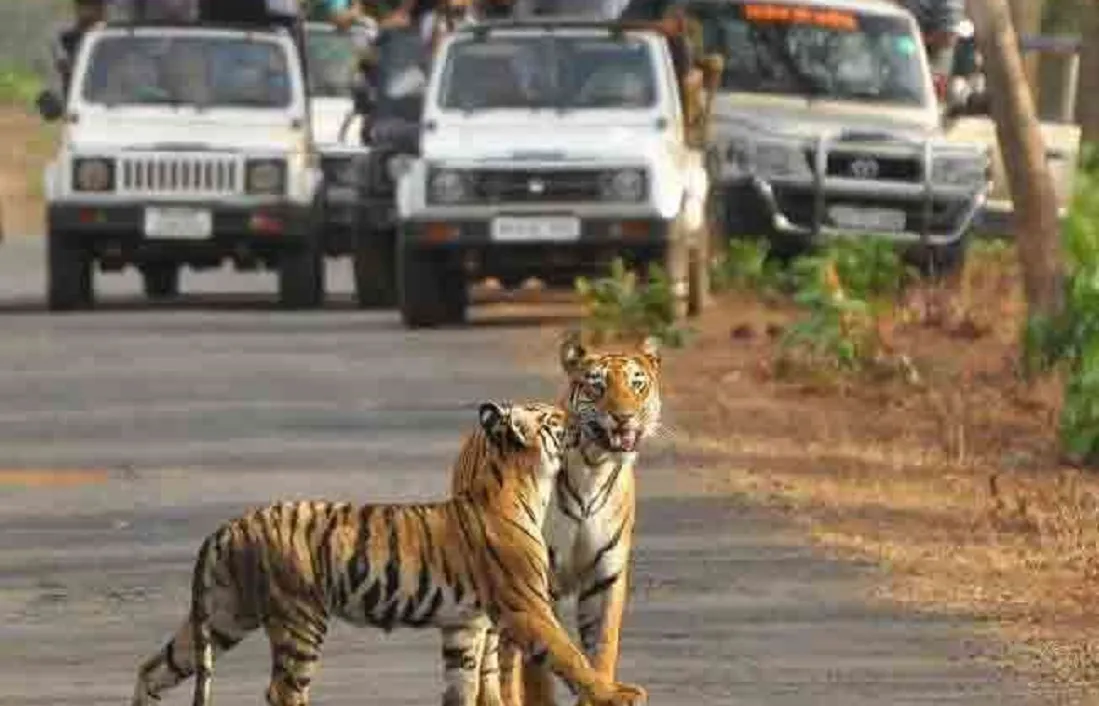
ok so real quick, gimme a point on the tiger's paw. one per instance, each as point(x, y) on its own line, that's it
point(620, 695)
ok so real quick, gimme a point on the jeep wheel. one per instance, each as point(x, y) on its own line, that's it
point(161, 281)
point(430, 291)
point(374, 266)
point(301, 276)
point(940, 261)
point(69, 273)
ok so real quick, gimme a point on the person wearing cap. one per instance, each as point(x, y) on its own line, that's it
point(939, 21)
point(86, 14)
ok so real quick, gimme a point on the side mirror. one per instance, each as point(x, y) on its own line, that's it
point(49, 106)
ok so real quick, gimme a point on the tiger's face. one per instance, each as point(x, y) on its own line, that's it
point(531, 430)
point(614, 397)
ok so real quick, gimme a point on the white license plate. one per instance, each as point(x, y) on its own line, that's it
point(874, 220)
point(536, 230)
point(178, 223)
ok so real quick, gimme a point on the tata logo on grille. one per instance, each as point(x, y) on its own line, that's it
point(536, 186)
point(864, 168)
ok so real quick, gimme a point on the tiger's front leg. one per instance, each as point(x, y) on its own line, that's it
point(601, 603)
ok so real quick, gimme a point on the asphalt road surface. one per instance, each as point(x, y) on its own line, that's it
point(194, 412)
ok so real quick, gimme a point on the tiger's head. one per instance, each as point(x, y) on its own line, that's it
point(527, 436)
point(614, 397)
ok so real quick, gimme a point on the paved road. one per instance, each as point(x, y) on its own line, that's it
point(196, 412)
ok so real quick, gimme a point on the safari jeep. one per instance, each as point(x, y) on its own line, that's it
point(184, 145)
point(827, 124)
point(548, 149)
point(969, 121)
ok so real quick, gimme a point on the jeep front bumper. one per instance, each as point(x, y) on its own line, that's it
point(918, 213)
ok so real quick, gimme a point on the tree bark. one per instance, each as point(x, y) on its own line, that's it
point(1026, 15)
point(1088, 109)
point(1017, 129)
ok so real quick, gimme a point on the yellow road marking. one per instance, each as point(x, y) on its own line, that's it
point(50, 477)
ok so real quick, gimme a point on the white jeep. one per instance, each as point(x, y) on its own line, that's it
point(547, 149)
point(184, 144)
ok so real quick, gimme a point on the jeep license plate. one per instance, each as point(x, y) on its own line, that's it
point(873, 220)
point(178, 223)
point(536, 230)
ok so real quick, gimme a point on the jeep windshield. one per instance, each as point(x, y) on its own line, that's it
point(541, 71)
point(811, 50)
point(207, 72)
point(331, 56)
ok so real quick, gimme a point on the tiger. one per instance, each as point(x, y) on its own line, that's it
point(464, 564)
point(614, 398)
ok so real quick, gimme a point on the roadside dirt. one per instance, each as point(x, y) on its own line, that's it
point(954, 484)
point(25, 151)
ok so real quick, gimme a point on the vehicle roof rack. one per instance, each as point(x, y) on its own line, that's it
point(481, 30)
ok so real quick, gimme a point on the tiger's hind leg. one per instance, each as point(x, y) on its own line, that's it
point(490, 693)
point(295, 654)
point(463, 664)
point(175, 661)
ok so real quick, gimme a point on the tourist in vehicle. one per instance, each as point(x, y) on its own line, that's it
point(939, 22)
point(86, 14)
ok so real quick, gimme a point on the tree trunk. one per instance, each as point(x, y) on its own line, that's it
point(1088, 109)
point(1026, 15)
point(1017, 129)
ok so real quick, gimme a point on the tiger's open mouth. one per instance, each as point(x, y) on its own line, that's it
point(619, 440)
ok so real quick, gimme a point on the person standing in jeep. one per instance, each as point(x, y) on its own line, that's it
point(86, 14)
point(939, 21)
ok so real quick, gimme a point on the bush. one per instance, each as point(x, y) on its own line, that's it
point(1071, 341)
point(846, 289)
point(620, 306)
point(18, 86)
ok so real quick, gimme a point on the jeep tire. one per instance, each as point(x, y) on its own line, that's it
point(69, 274)
point(430, 290)
point(301, 274)
point(373, 262)
point(161, 280)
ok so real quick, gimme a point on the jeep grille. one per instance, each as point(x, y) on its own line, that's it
point(183, 175)
point(536, 186)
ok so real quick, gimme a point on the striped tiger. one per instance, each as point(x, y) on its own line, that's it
point(615, 400)
point(460, 564)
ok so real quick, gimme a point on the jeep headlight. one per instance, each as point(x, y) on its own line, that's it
point(265, 177)
point(448, 186)
point(339, 171)
point(622, 185)
point(960, 170)
point(93, 174)
point(781, 160)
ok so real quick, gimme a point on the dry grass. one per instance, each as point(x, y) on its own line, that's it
point(954, 484)
point(27, 146)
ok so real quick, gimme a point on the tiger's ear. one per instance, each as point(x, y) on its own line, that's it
point(500, 425)
point(650, 348)
point(571, 352)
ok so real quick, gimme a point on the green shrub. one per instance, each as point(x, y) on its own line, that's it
point(845, 289)
point(621, 306)
point(1071, 341)
point(18, 86)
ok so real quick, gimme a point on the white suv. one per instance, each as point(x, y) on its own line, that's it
point(547, 149)
point(184, 145)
